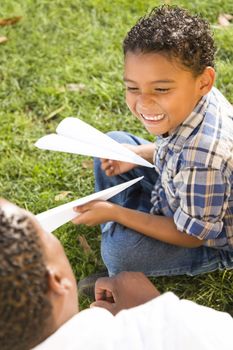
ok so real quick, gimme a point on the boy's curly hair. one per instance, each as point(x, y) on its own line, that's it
point(174, 32)
point(24, 305)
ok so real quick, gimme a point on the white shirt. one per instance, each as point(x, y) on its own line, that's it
point(164, 323)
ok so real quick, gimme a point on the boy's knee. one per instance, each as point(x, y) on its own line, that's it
point(118, 255)
point(119, 136)
point(97, 163)
point(115, 261)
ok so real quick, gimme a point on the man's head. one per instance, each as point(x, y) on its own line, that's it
point(169, 66)
point(37, 287)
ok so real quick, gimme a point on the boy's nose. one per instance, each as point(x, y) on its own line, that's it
point(145, 102)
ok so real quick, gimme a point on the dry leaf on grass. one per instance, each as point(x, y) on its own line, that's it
point(54, 113)
point(224, 19)
point(61, 89)
point(84, 244)
point(75, 87)
point(9, 21)
point(62, 195)
point(3, 39)
point(228, 16)
point(87, 164)
point(72, 87)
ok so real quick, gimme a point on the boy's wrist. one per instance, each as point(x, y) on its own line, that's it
point(146, 151)
point(118, 212)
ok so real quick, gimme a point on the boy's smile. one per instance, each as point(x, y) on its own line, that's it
point(160, 92)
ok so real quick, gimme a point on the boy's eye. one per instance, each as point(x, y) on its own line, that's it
point(161, 90)
point(131, 88)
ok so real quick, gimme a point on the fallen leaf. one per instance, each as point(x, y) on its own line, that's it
point(84, 244)
point(61, 89)
point(9, 21)
point(224, 19)
point(87, 164)
point(228, 16)
point(75, 87)
point(3, 39)
point(62, 195)
point(54, 113)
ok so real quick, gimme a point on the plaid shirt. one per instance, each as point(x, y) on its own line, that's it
point(195, 167)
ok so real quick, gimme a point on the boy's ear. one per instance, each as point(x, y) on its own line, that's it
point(206, 80)
point(57, 283)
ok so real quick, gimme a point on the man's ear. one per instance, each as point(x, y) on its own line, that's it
point(206, 80)
point(57, 283)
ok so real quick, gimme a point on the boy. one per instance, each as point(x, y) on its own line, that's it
point(38, 301)
point(179, 220)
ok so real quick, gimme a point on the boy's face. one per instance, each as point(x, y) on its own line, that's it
point(159, 91)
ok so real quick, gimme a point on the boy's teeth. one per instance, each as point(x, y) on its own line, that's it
point(153, 117)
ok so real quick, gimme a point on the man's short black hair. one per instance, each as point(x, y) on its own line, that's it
point(174, 32)
point(24, 305)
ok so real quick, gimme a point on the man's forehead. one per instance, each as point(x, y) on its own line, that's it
point(9, 208)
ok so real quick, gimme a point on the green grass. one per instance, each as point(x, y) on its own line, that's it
point(58, 43)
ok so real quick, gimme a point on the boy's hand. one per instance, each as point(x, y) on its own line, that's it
point(116, 167)
point(94, 213)
point(123, 291)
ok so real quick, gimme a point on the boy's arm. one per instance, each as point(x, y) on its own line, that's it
point(146, 151)
point(159, 227)
point(155, 226)
point(198, 205)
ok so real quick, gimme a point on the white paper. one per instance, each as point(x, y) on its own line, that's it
point(75, 136)
point(53, 218)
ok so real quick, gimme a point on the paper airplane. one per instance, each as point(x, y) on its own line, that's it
point(75, 136)
point(53, 218)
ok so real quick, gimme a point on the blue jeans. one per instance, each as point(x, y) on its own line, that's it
point(123, 249)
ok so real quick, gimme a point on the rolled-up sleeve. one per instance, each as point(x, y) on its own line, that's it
point(203, 196)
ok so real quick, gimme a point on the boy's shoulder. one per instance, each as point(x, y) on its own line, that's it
point(218, 106)
point(211, 143)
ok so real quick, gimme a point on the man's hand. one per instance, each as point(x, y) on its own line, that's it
point(123, 291)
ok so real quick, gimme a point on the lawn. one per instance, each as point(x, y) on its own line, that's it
point(63, 58)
